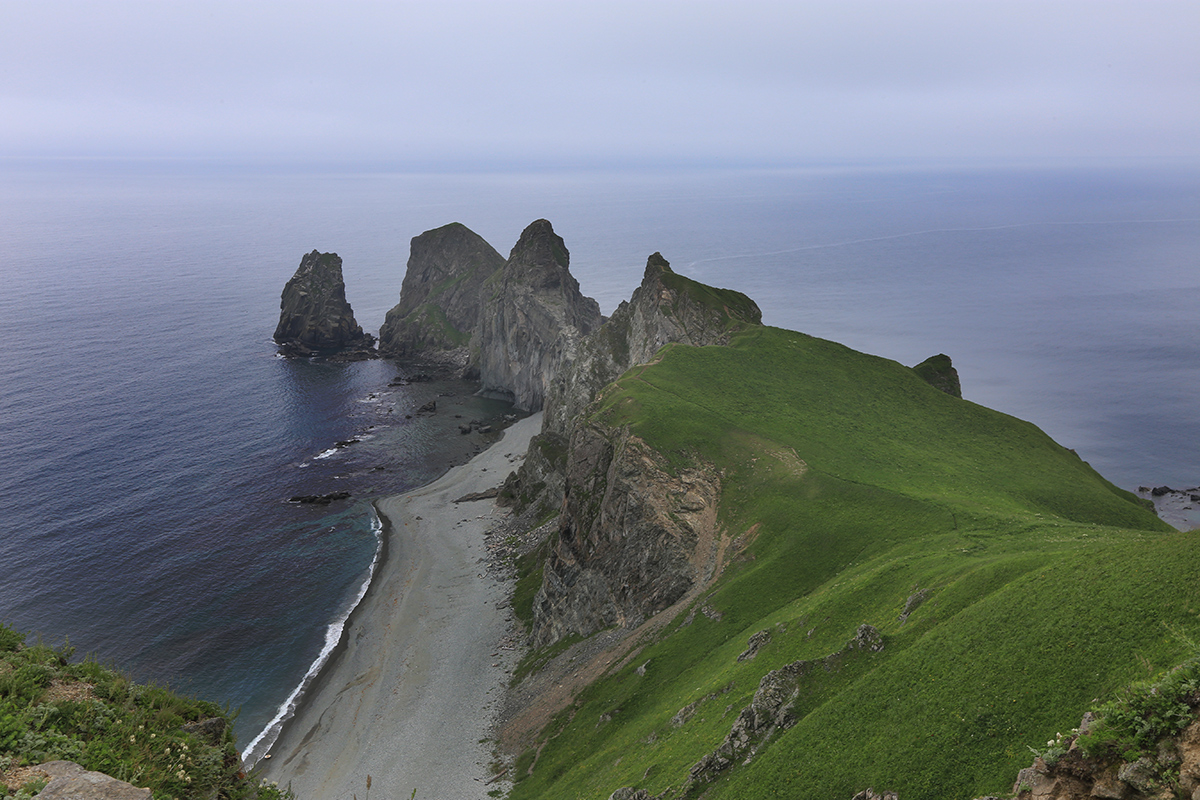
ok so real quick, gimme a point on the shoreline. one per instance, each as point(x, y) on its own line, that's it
point(328, 655)
point(409, 693)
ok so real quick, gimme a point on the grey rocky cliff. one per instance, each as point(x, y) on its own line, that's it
point(631, 540)
point(314, 316)
point(666, 308)
point(441, 297)
point(532, 319)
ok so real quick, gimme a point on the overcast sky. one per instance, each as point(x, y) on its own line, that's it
point(598, 82)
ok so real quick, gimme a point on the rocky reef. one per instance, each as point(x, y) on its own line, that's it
point(441, 297)
point(314, 316)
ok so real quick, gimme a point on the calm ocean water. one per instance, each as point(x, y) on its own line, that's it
point(151, 436)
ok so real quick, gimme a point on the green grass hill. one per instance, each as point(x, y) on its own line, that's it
point(1013, 585)
point(53, 709)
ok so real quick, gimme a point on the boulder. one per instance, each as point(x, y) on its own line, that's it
point(940, 373)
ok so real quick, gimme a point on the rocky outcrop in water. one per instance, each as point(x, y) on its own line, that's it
point(314, 316)
point(632, 538)
point(441, 297)
point(533, 319)
point(939, 372)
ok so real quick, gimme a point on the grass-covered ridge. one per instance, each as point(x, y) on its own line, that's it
point(1033, 585)
point(54, 709)
point(732, 306)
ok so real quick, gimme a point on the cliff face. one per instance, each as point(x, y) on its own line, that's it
point(314, 317)
point(665, 308)
point(632, 538)
point(532, 319)
point(441, 296)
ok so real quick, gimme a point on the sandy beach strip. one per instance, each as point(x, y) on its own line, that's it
point(417, 679)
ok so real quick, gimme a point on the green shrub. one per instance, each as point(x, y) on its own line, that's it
point(10, 639)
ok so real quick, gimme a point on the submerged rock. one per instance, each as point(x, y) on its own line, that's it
point(314, 316)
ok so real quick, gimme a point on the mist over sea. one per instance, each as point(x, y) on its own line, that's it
point(151, 437)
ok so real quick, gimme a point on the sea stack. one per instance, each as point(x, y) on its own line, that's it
point(314, 317)
point(441, 297)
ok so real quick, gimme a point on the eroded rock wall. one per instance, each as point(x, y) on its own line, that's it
point(631, 539)
point(533, 317)
point(665, 308)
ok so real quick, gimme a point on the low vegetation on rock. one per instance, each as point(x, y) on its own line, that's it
point(53, 709)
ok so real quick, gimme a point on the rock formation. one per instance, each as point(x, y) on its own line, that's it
point(533, 319)
point(770, 709)
point(940, 373)
point(314, 317)
point(69, 781)
point(632, 538)
point(441, 296)
point(665, 308)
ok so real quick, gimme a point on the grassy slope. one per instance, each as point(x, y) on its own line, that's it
point(52, 709)
point(1048, 587)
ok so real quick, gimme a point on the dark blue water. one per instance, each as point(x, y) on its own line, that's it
point(151, 436)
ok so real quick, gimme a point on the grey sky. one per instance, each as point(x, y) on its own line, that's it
point(601, 82)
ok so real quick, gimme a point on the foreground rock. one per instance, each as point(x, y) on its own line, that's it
point(441, 297)
point(314, 316)
point(69, 781)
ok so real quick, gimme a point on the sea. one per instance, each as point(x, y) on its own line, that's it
point(152, 437)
